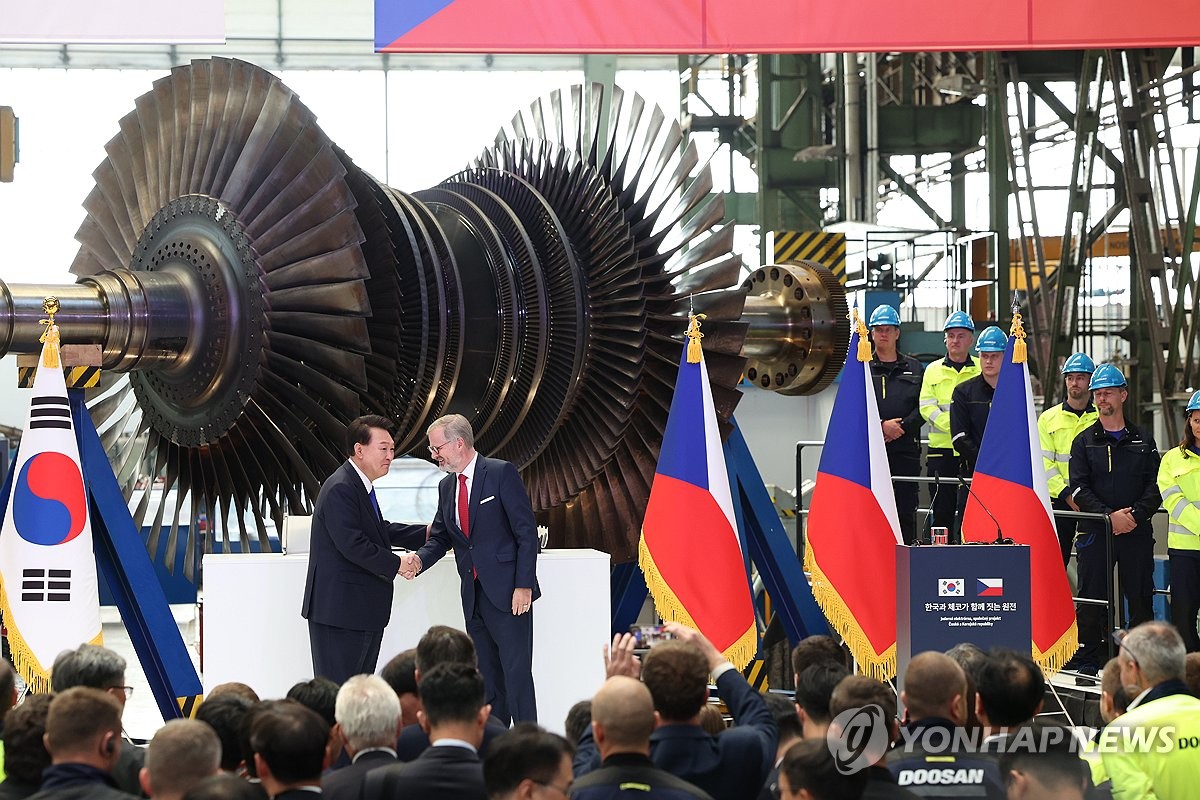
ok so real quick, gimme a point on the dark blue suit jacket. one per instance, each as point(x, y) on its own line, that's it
point(731, 766)
point(350, 563)
point(503, 544)
point(441, 772)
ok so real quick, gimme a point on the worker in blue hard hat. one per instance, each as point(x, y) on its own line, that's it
point(937, 388)
point(1179, 482)
point(897, 379)
point(1057, 428)
point(1114, 471)
point(971, 402)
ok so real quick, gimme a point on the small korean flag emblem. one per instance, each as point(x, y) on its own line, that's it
point(950, 587)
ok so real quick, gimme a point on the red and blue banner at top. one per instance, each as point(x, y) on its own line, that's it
point(775, 26)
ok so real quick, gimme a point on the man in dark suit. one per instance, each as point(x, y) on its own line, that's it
point(348, 593)
point(289, 743)
point(454, 714)
point(529, 762)
point(732, 766)
point(485, 515)
point(441, 644)
point(368, 719)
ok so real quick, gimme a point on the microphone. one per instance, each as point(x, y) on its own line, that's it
point(937, 483)
point(999, 536)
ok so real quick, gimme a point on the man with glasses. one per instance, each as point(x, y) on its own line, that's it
point(529, 763)
point(1152, 663)
point(351, 566)
point(484, 513)
point(95, 667)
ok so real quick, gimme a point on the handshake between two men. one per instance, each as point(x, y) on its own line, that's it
point(410, 566)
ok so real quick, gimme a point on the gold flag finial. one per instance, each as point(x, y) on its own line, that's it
point(50, 336)
point(694, 336)
point(864, 335)
point(1020, 350)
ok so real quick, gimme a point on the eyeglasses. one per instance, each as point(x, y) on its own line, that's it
point(125, 690)
point(435, 450)
point(565, 792)
point(1119, 636)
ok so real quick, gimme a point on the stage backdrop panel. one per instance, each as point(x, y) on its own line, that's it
point(253, 632)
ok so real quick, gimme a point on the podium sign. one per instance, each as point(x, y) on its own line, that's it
point(974, 593)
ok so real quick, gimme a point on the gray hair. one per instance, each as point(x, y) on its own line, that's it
point(456, 427)
point(368, 711)
point(181, 754)
point(88, 665)
point(1158, 650)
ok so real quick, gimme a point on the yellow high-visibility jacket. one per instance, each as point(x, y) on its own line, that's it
point(1057, 428)
point(1179, 482)
point(936, 389)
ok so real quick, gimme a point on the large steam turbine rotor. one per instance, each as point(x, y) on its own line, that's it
point(253, 291)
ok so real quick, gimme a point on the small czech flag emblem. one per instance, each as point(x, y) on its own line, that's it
point(990, 587)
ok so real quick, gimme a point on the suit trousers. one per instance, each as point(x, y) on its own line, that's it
point(341, 653)
point(504, 646)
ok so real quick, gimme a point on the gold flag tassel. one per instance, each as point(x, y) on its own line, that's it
point(1020, 351)
point(50, 336)
point(694, 336)
point(864, 336)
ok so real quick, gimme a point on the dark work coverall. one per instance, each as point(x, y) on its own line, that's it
point(969, 408)
point(897, 392)
point(1109, 472)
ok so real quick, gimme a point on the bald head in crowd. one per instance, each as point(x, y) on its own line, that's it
point(622, 717)
point(182, 753)
point(935, 686)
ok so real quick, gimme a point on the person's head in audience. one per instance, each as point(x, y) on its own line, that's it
point(813, 688)
point(91, 666)
point(182, 753)
point(452, 703)
point(578, 719)
point(818, 649)
point(234, 688)
point(442, 644)
point(1050, 770)
point(622, 717)
point(808, 772)
point(289, 743)
point(1011, 690)
point(223, 787)
point(712, 720)
point(319, 694)
point(1152, 653)
point(787, 719)
point(25, 754)
point(401, 674)
point(1191, 673)
point(83, 726)
point(529, 762)
point(935, 687)
point(225, 714)
point(368, 714)
point(8, 687)
point(969, 656)
point(859, 691)
point(676, 673)
point(244, 735)
point(1114, 700)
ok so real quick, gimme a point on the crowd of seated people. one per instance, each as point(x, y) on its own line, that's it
point(962, 724)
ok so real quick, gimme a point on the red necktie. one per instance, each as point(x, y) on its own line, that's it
point(462, 505)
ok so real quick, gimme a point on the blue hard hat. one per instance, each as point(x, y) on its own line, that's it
point(1107, 376)
point(992, 340)
point(1194, 403)
point(959, 319)
point(1079, 362)
point(884, 315)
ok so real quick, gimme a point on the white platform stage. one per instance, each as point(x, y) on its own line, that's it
point(252, 630)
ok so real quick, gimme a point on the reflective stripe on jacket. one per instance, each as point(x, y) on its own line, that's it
point(937, 388)
point(1057, 428)
point(1179, 482)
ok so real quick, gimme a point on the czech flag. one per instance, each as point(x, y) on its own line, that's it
point(853, 528)
point(1010, 480)
point(48, 589)
point(690, 551)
